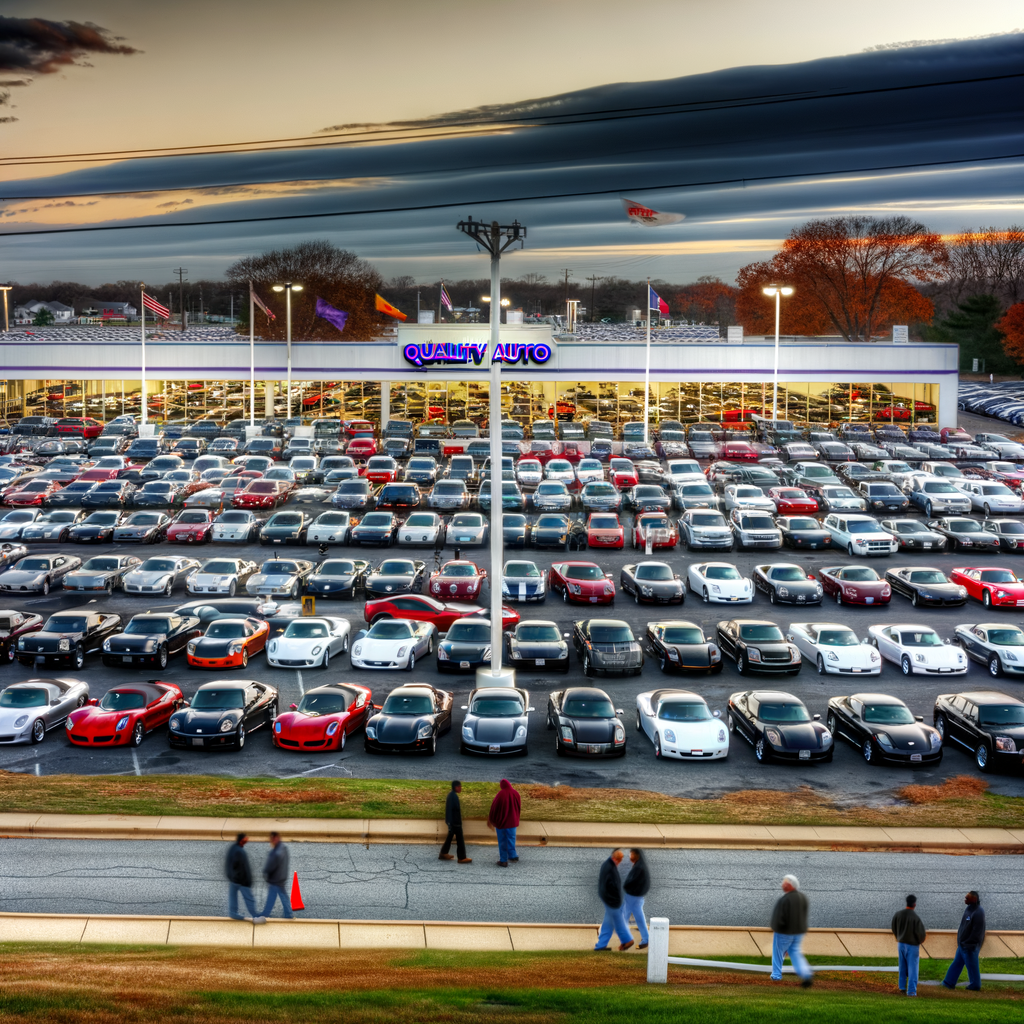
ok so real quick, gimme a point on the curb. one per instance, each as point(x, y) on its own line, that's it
point(539, 833)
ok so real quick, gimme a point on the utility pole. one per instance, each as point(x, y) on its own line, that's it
point(568, 274)
point(593, 279)
point(181, 272)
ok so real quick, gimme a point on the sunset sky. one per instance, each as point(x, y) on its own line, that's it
point(753, 129)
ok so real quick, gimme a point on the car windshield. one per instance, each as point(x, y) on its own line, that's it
point(157, 565)
point(226, 630)
point(286, 519)
point(911, 527)
point(684, 711)
point(1007, 637)
point(837, 638)
point(683, 635)
point(551, 487)
point(654, 572)
point(193, 517)
point(122, 700)
point(392, 630)
point(788, 573)
point(406, 704)
point(1011, 528)
point(470, 632)
point(583, 572)
point(604, 522)
point(33, 564)
point(218, 699)
point(397, 567)
point(496, 707)
point(722, 572)
point(998, 576)
point(101, 564)
point(459, 570)
point(144, 627)
point(922, 638)
point(756, 523)
point(142, 519)
point(24, 698)
point(599, 488)
point(707, 520)
point(354, 487)
point(521, 570)
point(234, 517)
point(337, 567)
point(887, 714)
point(468, 521)
point(220, 568)
point(861, 526)
point(1001, 714)
point(939, 487)
point(927, 576)
point(611, 634)
point(962, 526)
point(66, 624)
point(449, 487)
point(596, 708)
point(324, 703)
point(420, 519)
point(876, 489)
point(538, 634)
point(278, 568)
point(775, 712)
point(1000, 489)
point(304, 630)
point(377, 519)
point(551, 523)
point(760, 631)
point(860, 574)
point(697, 490)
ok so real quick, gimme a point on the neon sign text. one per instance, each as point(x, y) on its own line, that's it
point(466, 353)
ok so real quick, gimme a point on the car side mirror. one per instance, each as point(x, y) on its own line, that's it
point(817, 718)
point(293, 707)
point(566, 635)
point(619, 711)
point(717, 714)
point(465, 707)
point(918, 718)
point(54, 702)
point(531, 709)
point(866, 640)
point(94, 702)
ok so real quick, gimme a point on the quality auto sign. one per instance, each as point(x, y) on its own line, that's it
point(473, 353)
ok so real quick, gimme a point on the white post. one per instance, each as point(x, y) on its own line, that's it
point(252, 358)
point(647, 367)
point(142, 303)
point(288, 320)
point(657, 952)
point(494, 419)
point(775, 371)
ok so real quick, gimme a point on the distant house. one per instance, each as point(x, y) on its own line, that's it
point(106, 310)
point(26, 312)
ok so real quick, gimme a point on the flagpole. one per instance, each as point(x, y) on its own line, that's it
point(440, 301)
point(142, 304)
point(647, 367)
point(252, 358)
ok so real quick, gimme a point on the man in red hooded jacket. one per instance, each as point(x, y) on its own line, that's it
point(503, 817)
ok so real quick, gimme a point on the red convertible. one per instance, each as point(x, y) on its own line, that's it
point(324, 718)
point(124, 715)
point(792, 501)
point(457, 579)
point(605, 531)
point(193, 526)
point(855, 584)
point(664, 533)
point(991, 585)
point(622, 473)
point(261, 494)
point(581, 583)
point(422, 608)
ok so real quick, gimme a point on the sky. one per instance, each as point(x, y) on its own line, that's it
point(745, 121)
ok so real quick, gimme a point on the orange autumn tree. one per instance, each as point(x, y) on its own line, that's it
point(1011, 327)
point(853, 275)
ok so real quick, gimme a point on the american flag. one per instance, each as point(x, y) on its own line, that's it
point(259, 302)
point(446, 299)
point(154, 307)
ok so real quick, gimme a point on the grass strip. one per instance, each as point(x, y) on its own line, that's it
point(962, 801)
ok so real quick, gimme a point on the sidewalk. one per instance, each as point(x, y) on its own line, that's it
point(320, 934)
point(551, 833)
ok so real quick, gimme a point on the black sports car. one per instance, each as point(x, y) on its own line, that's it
point(926, 587)
point(652, 583)
point(337, 577)
point(987, 723)
point(146, 527)
point(109, 494)
point(757, 646)
point(779, 727)
point(102, 573)
point(607, 645)
point(786, 583)
point(395, 576)
point(96, 527)
point(803, 532)
point(353, 494)
point(535, 643)
point(411, 719)
point(497, 721)
point(964, 534)
point(402, 497)
point(151, 639)
point(647, 498)
point(222, 714)
point(376, 528)
point(465, 647)
point(586, 723)
point(67, 637)
point(516, 530)
point(681, 646)
point(882, 728)
point(15, 624)
point(286, 528)
point(1009, 531)
point(551, 530)
point(913, 535)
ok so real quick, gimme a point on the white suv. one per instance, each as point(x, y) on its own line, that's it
point(860, 535)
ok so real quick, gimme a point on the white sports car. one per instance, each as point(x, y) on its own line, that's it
point(746, 496)
point(589, 470)
point(29, 710)
point(719, 583)
point(309, 642)
point(680, 724)
point(918, 650)
point(393, 643)
point(467, 528)
point(14, 522)
point(158, 575)
point(329, 528)
point(237, 525)
point(522, 580)
point(560, 470)
point(220, 576)
point(280, 576)
point(834, 648)
point(420, 528)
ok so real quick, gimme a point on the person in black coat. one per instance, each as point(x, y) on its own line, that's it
point(609, 888)
point(453, 819)
point(239, 873)
point(635, 889)
point(969, 939)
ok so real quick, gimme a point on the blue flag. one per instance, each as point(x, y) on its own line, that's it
point(325, 311)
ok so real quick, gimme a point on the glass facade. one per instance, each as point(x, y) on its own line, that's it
point(824, 402)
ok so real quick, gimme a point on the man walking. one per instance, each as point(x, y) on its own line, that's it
point(789, 923)
point(453, 819)
point(239, 874)
point(503, 817)
point(275, 871)
point(969, 938)
point(910, 933)
point(609, 888)
point(635, 888)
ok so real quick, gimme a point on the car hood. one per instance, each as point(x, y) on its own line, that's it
point(798, 735)
point(50, 641)
point(207, 721)
point(386, 584)
point(796, 586)
point(277, 579)
point(540, 648)
point(692, 732)
point(136, 641)
point(90, 576)
point(147, 578)
point(298, 645)
point(8, 716)
point(692, 654)
point(10, 532)
point(21, 577)
point(382, 650)
point(459, 651)
point(495, 730)
point(91, 529)
point(299, 725)
point(134, 531)
point(399, 728)
point(594, 730)
point(319, 579)
point(208, 579)
point(372, 528)
point(660, 586)
point(213, 646)
point(912, 738)
point(44, 530)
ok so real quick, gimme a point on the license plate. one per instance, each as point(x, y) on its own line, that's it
point(1020, 602)
point(733, 598)
point(858, 670)
point(927, 545)
point(590, 748)
point(541, 661)
point(805, 755)
point(463, 664)
point(463, 540)
point(915, 757)
point(869, 600)
point(594, 600)
point(494, 748)
point(126, 658)
point(197, 742)
point(696, 753)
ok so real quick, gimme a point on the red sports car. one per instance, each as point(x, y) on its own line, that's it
point(622, 473)
point(31, 492)
point(737, 451)
point(457, 579)
point(581, 583)
point(605, 531)
point(381, 469)
point(261, 494)
point(79, 426)
point(324, 718)
point(855, 584)
point(991, 585)
point(792, 501)
point(361, 448)
point(664, 533)
point(228, 643)
point(98, 475)
point(124, 715)
point(193, 526)
point(422, 608)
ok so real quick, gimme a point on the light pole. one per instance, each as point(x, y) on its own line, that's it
point(495, 238)
point(288, 289)
point(777, 291)
point(5, 288)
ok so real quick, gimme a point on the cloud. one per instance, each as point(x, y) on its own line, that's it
point(36, 46)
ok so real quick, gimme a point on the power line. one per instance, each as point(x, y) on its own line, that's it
point(541, 197)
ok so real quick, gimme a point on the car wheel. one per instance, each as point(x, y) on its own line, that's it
point(169, 587)
point(830, 721)
point(344, 646)
point(914, 599)
point(761, 751)
point(11, 654)
point(241, 736)
point(657, 745)
point(940, 726)
point(326, 661)
point(928, 509)
point(663, 663)
point(38, 730)
point(295, 590)
point(771, 596)
point(988, 510)
point(741, 665)
point(636, 596)
point(587, 668)
point(983, 757)
point(986, 599)
point(232, 589)
point(79, 657)
point(705, 595)
point(430, 645)
point(109, 588)
point(245, 657)
point(162, 657)
point(868, 751)
point(849, 549)
point(412, 661)
point(565, 595)
point(905, 665)
point(839, 597)
point(46, 586)
point(995, 669)
point(138, 733)
point(559, 751)
point(821, 665)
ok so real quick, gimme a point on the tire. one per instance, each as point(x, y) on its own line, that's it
point(565, 596)
point(830, 721)
point(588, 669)
point(169, 587)
point(905, 665)
point(913, 599)
point(849, 549)
point(38, 731)
point(639, 727)
point(868, 752)
point(986, 599)
point(79, 657)
point(232, 589)
point(995, 668)
point(138, 733)
point(432, 749)
point(241, 737)
point(839, 597)
point(344, 646)
point(430, 645)
point(988, 510)
point(940, 726)
point(559, 751)
point(46, 586)
point(771, 596)
point(821, 665)
point(245, 657)
point(412, 662)
point(110, 588)
point(12, 655)
point(705, 595)
point(657, 746)
point(730, 723)
point(928, 509)
point(983, 758)
point(636, 596)
point(741, 665)
point(663, 663)
point(162, 657)
point(295, 590)
point(761, 752)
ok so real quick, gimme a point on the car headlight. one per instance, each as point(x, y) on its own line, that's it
point(875, 656)
point(715, 588)
point(272, 646)
point(467, 733)
point(670, 735)
point(332, 728)
point(959, 658)
point(566, 734)
point(713, 650)
point(122, 723)
point(773, 737)
point(919, 657)
point(783, 591)
point(106, 644)
point(1001, 593)
point(826, 738)
point(1008, 655)
point(69, 725)
point(424, 731)
point(357, 649)
point(227, 726)
point(936, 739)
point(832, 656)
point(402, 650)
point(20, 721)
point(721, 735)
point(620, 734)
point(1006, 744)
point(753, 654)
point(277, 727)
point(504, 587)
point(176, 723)
point(884, 741)
point(818, 590)
point(521, 733)
point(192, 647)
point(371, 732)
point(316, 650)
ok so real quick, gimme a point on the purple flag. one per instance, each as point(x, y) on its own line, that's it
point(325, 311)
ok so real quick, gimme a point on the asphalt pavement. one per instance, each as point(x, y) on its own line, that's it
point(399, 882)
point(847, 778)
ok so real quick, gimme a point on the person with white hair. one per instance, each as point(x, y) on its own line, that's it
point(789, 923)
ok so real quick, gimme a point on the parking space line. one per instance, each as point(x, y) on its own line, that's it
point(302, 691)
point(135, 761)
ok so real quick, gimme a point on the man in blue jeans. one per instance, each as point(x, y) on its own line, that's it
point(239, 875)
point(969, 939)
point(275, 871)
point(789, 923)
point(910, 933)
point(609, 888)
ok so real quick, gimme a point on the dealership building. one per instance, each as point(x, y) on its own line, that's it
point(439, 371)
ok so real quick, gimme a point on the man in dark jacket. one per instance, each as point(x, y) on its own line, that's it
point(275, 871)
point(634, 891)
point(969, 939)
point(609, 888)
point(453, 819)
point(910, 933)
point(789, 923)
point(239, 874)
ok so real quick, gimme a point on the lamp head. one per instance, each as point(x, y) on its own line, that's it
point(786, 290)
point(278, 287)
point(298, 288)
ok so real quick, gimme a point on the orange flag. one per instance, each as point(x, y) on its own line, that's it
point(383, 306)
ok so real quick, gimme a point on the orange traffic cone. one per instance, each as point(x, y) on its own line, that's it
point(297, 903)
